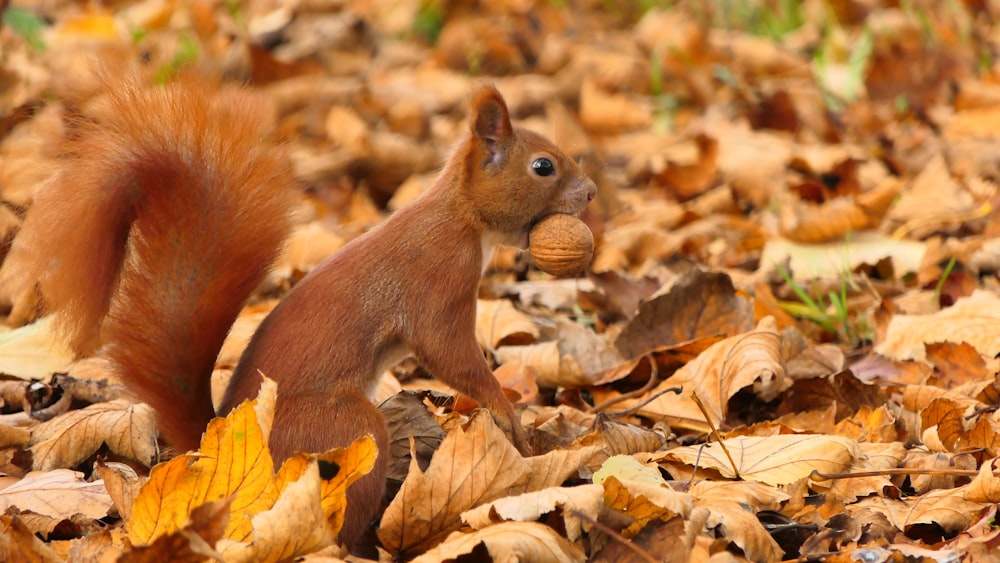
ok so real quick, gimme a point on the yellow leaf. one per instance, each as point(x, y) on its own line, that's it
point(270, 517)
point(339, 469)
point(294, 526)
point(644, 502)
point(94, 25)
point(233, 462)
point(627, 467)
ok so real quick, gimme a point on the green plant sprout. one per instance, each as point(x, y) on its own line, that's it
point(831, 314)
point(765, 21)
point(429, 21)
point(187, 52)
point(944, 277)
point(27, 24)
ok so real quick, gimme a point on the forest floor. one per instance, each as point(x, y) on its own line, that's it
point(785, 347)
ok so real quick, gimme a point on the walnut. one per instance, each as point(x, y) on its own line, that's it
point(561, 245)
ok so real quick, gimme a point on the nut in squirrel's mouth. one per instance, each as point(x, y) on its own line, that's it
point(522, 242)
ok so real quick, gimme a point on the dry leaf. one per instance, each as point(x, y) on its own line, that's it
point(686, 181)
point(736, 519)
point(974, 320)
point(950, 509)
point(810, 261)
point(33, 351)
point(806, 222)
point(529, 507)
point(698, 304)
point(775, 460)
point(644, 502)
point(59, 493)
point(295, 524)
point(266, 512)
point(578, 358)
point(621, 438)
point(194, 542)
point(127, 429)
point(508, 542)
point(624, 467)
point(18, 543)
point(122, 483)
point(475, 464)
point(935, 201)
point(307, 246)
point(956, 363)
point(718, 373)
point(499, 323)
point(520, 379)
point(601, 112)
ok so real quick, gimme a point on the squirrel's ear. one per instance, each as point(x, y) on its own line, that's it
point(490, 118)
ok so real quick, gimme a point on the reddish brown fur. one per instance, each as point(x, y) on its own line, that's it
point(408, 286)
point(166, 212)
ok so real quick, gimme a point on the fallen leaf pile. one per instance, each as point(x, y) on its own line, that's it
point(785, 347)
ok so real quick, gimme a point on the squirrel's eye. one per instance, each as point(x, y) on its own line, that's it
point(543, 167)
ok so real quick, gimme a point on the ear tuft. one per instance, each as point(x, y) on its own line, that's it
point(490, 118)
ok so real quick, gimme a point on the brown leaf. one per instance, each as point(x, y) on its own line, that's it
point(122, 483)
point(945, 419)
point(545, 359)
point(733, 508)
point(474, 464)
point(616, 437)
point(715, 376)
point(620, 294)
point(644, 502)
point(875, 457)
point(408, 418)
point(18, 543)
point(956, 363)
point(935, 201)
point(195, 542)
point(686, 181)
point(803, 221)
point(974, 319)
point(985, 434)
point(698, 304)
point(775, 460)
point(65, 441)
point(529, 507)
point(844, 392)
point(59, 493)
point(498, 323)
point(602, 112)
point(508, 541)
point(33, 351)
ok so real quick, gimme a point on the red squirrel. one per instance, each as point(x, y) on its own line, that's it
point(168, 210)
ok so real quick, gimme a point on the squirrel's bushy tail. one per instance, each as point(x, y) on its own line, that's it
point(166, 211)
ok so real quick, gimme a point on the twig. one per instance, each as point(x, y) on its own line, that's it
point(818, 476)
point(629, 544)
point(715, 432)
point(654, 378)
point(646, 401)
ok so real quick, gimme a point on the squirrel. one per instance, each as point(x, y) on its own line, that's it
point(167, 210)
